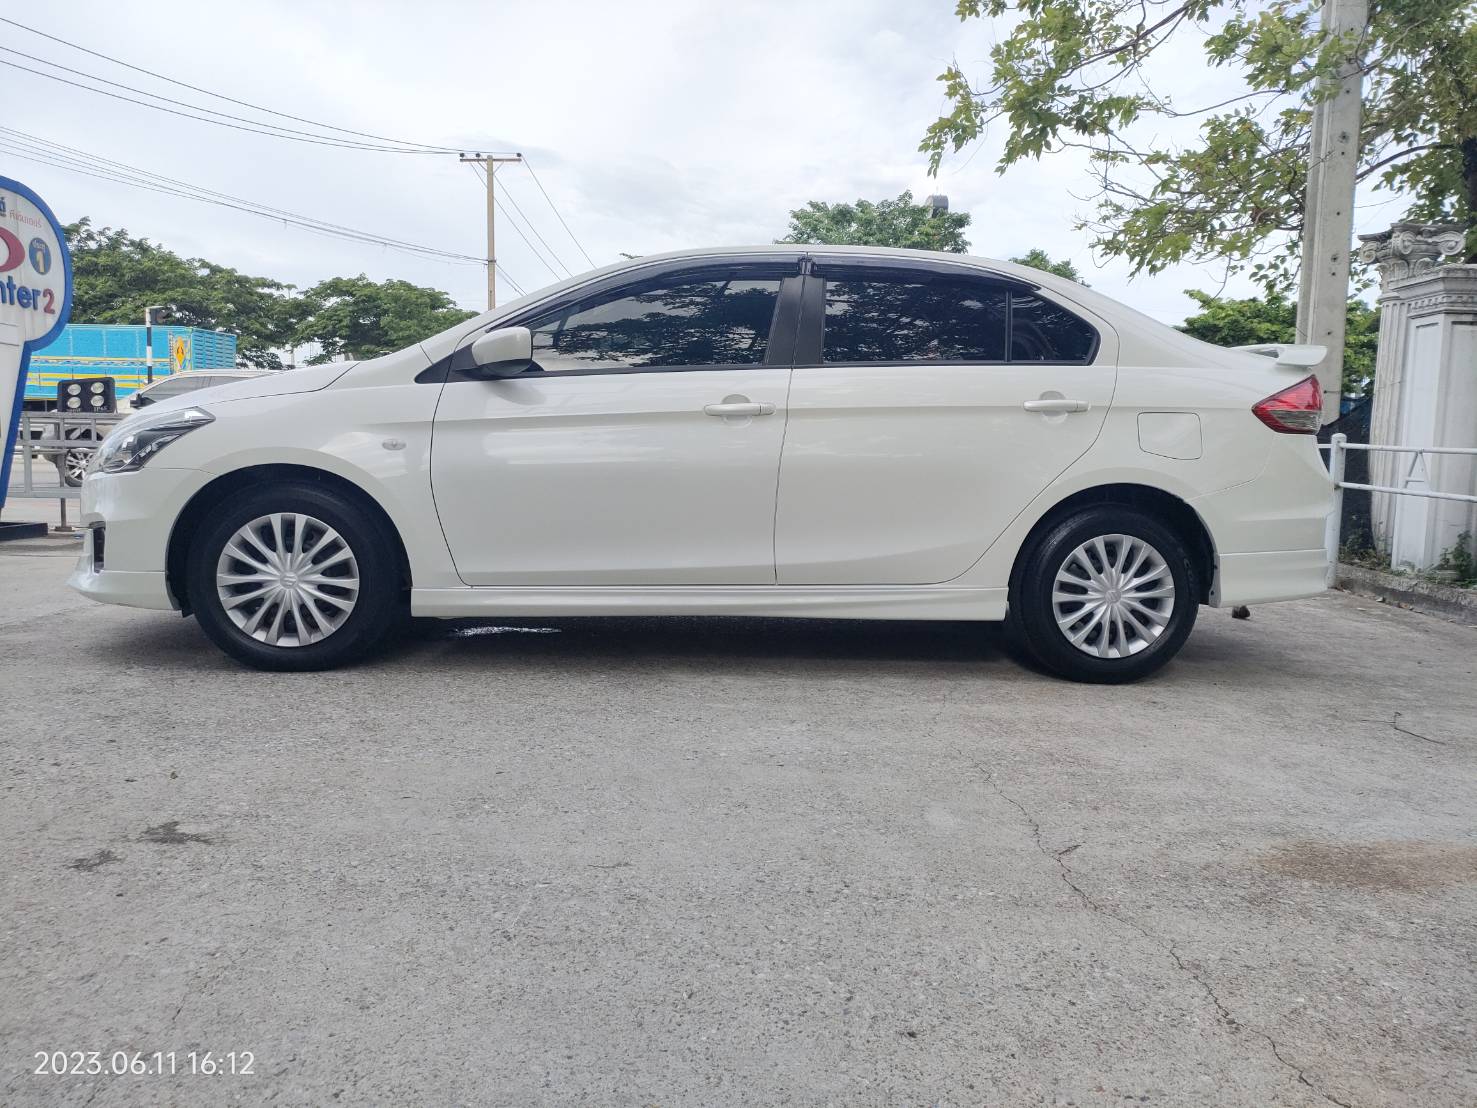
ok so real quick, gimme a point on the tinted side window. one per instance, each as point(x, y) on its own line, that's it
point(913, 317)
point(172, 386)
point(1040, 331)
point(719, 319)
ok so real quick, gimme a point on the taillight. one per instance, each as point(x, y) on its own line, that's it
point(1296, 410)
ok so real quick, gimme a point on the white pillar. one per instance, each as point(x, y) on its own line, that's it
point(1420, 335)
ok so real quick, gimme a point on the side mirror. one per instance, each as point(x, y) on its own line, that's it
point(506, 352)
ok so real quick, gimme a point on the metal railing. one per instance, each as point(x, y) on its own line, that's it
point(1338, 447)
point(59, 444)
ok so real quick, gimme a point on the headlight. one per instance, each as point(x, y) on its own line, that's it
point(136, 440)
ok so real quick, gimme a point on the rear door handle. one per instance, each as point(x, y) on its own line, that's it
point(733, 408)
point(1055, 405)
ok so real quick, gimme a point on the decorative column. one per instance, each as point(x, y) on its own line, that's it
point(1423, 310)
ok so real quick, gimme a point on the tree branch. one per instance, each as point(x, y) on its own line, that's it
point(1395, 157)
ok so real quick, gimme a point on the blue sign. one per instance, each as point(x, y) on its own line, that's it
point(40, 255)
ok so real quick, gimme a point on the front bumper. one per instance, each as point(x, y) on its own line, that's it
point(138, 511)
point(133, 589)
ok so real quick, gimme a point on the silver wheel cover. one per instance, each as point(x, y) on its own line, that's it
point(1113, 596)
point(287, 579)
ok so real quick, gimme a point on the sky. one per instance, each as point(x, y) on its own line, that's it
point(653, 124)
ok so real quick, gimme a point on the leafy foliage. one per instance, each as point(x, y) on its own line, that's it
point(1072, 74)
point(1460, 560)
point(115, 277)
point(1247, 322)
point(900, 223)
point(1037, 258)
point(356, 317)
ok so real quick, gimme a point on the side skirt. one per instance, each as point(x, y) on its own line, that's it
point(801, 601)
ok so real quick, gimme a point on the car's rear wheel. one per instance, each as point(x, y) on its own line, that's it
point(1106, 595)
point(293, 577)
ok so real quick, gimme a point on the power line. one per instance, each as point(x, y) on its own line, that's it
point(517, 208)
point(555, 210)
point(72, 159)
point(219, 123)
point(482, 176)
point(286, 132)
point(301, 222)
point(68, 157)
point(222, 96)
point(380, 143)
point(345, 145)
point(534, 249)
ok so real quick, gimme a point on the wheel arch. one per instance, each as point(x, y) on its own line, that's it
point(1175, 512)
point(187, 523)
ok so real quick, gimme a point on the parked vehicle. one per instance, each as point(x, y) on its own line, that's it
point(778, 431)
point(191, 381)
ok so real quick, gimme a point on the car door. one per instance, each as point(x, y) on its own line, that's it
point(643, 448)
point(928, 407)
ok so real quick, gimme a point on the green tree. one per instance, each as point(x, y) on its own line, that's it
point(899, 222)
point(1039, 259)
point(1075, 74)
point(1246, 322)
point(115, 277)
point(356, 317)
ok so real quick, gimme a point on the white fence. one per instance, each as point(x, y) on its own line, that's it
point(1338, 448)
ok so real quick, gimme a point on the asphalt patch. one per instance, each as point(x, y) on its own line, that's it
point(170, 834)
point(93, 862)
point(1403, 866)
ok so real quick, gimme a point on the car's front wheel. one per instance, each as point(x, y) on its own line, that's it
point(71, 464)
point(1106, 595)
point(293, 577)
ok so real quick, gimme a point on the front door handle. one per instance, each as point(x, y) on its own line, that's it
point(1057, 404)
point(738, 408)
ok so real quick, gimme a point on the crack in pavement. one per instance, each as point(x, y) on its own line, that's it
point(1169, 947)
point(1394, 722)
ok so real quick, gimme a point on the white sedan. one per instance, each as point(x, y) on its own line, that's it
point(777, 431)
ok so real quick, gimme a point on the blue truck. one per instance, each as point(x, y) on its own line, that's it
point(117, 351)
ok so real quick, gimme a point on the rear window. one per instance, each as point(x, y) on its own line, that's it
point(892, 316)
point(907, 318)
point(1041, 331)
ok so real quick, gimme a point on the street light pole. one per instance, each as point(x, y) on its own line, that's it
point(1328, 215)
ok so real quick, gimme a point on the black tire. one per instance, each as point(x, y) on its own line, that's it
point(377, 604)
point(1142, 648)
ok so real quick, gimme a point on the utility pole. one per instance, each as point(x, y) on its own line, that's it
point(489, 163)
point(1328, 216)
point(152, 314)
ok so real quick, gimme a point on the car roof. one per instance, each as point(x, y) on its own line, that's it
point(1142, 339)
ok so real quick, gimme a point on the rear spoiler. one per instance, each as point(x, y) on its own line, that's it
point(1288, 354)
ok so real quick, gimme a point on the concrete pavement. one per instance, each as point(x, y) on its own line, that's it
point(643, 862)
